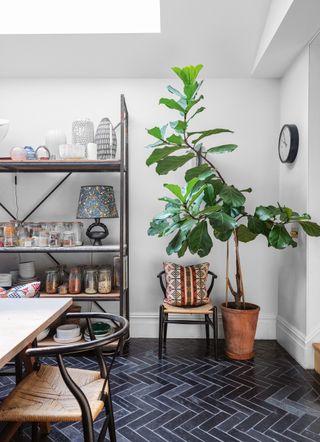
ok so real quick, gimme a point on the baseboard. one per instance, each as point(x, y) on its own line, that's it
point(146, 325)
point(298, 345)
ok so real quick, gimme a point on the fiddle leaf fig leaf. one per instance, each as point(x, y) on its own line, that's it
point(175, 139)
point(172, 163)
point(158, 132)
point(179, 125)
point(244, 234)
point(279, 237)
point(255, 225)
point(202, 172)
point(311, 228)
point(175, 91)
point(183, 249)
point(222, 236)
point(222, 149)
point(199, 240)
point(198, 111)
point(160, 153)
point(232, 196)
point(207, 133)
point(264, 213)
point(222, 222)
point(157, 227)
point(176, 243)
point(176, 190)
point(188, 74)
point(171, 104)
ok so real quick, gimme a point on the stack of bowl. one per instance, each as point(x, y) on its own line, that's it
point(67, 333)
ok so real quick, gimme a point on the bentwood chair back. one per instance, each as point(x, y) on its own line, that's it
point(61, 394)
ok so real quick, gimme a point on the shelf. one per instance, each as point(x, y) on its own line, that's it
point(113, 296)
point(7, 165)
point(76, 249)
point(49, 342)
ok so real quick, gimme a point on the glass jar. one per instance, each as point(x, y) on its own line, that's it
point(9, 230)
point(9, 241)
point(22, 235)
point(68, 239)
point(77, 229)
point(75, 280)
point(91, 281)
point(52, 281)
point(54, 239)
point(105, 280)
point(43, 238)
point(116, 272)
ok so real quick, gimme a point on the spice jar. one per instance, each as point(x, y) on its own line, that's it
point(75, 281)
point(91, 281)
point(9, 241)
point(63, 289)
point(68, 238)
point(105, 280)
point(52, 281)
point(43, 238)
point(77, 229)
point(9, 230)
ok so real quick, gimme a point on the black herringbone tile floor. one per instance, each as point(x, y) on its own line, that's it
point(190, 397)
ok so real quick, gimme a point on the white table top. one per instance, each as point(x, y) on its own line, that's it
point(21, 320)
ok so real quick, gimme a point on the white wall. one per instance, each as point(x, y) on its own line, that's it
point(249, 107)
point(299, 302)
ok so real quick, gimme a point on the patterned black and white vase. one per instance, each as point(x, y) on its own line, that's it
point(106, 140)
point(82, 131)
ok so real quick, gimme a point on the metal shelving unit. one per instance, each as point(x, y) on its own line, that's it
point(69, 167)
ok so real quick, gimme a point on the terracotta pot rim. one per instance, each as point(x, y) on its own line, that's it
point(253, 311)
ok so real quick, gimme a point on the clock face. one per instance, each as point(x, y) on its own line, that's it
point(288, 143)
point(284, 144)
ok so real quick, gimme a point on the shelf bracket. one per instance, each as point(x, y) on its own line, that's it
point(53, 259)
point(46, 197)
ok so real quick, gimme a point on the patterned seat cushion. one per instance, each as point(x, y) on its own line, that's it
point(186, 286)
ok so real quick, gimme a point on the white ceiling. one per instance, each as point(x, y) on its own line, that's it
point(224, 35)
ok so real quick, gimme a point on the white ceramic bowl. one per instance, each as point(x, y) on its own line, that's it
point(68, 331)
point(4, 127)
point(27, 270)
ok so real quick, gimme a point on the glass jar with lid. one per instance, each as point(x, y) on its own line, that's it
point(52, 281)
point(68, 238)
point(77, 229)
point(75, 278)
point(105, 279)
point(43, 238)
point(91, 281)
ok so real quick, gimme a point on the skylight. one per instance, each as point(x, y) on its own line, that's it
point(79, 16)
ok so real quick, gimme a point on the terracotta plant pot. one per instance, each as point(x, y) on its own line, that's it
point(239, 330)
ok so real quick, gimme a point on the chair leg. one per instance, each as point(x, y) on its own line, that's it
point(215, 331)
point(112, 428)
point(34, 432)
point(165, 331)
point(160, 330)
point(207, 330)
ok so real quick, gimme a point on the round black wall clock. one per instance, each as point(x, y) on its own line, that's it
point(288, 143)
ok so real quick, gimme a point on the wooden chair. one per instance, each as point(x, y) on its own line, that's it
point(60, 394)
point(204, 310)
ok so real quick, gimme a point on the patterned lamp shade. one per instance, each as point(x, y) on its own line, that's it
point(97, 202)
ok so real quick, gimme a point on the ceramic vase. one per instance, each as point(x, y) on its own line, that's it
point(82, 131)
point(106, 140)
point(54, 138)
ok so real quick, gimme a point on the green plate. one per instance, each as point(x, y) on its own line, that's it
point(100, 328)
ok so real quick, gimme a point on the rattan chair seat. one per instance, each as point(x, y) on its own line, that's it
point(202, 310)
point(44, 397)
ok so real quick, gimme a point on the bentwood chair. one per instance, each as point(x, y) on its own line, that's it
point(59, 394)
point(205, 311)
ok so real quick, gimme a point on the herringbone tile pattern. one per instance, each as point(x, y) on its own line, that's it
point(190, 397)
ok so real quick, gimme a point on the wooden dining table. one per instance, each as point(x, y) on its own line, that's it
point(22, 320)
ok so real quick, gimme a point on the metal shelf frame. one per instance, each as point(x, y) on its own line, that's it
point(69, 167)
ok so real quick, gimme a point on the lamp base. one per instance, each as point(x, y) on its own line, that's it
point(97, 235)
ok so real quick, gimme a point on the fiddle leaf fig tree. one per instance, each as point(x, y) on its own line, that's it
point(207, 207)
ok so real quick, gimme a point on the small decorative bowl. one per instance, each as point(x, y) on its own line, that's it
point(68, 331)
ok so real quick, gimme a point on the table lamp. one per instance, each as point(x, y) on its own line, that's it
point(97, 202)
